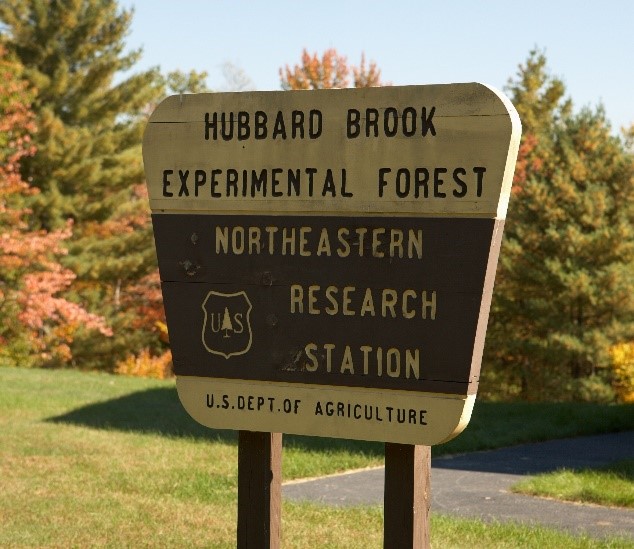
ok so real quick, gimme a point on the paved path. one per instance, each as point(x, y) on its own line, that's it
point(477, 485)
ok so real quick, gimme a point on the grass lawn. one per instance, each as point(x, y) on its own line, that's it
point(613, 485)
point(97, 460)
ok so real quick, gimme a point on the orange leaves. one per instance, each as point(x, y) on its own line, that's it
point(147, 365)
point(16, 124)
point(367, 78)
point(31, 258)
point(41, 307)
point(146, 300)
point(527, 162)
point(331, 71)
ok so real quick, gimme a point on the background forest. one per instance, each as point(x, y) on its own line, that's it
point(79, 285)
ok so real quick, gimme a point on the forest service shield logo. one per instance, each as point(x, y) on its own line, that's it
point(227, 324)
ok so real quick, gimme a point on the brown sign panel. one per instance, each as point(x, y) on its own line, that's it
point(327, 258)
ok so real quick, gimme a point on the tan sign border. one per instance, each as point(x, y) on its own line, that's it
point(340, 412)
point(174, 140)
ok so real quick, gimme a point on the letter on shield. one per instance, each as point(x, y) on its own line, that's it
point(227, 325)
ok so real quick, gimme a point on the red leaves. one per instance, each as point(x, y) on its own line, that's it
point(527, 162)
point(32, 279)
point(146, 299)
point(34, 256)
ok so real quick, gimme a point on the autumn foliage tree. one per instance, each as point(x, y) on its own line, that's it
point(330, 71)
point(37, 323)
point(88, 164)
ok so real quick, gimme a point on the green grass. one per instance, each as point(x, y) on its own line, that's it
point(362, 528)
point(151, 407)
point(613, 485)
point(97, 460)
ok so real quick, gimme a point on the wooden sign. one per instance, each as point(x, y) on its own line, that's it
point(327, 258)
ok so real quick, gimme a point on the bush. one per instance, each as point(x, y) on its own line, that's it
point(146, 365)
point(622, 357)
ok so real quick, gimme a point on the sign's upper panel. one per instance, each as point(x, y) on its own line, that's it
point(413, 150)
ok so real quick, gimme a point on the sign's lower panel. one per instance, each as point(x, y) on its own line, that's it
point(403, 417)
point(395, 304)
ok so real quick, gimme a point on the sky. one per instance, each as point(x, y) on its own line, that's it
point(588, 44)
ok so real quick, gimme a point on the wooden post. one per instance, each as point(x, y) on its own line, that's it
point(407, 496)
point(259, 489)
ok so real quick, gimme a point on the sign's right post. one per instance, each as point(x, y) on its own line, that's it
point(407, 496)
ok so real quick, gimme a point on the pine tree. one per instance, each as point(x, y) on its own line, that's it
point(181, 82)
point(226, 323)
point(90, 128)
point(565, 287)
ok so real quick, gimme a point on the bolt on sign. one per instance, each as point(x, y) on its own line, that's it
point(327, 257)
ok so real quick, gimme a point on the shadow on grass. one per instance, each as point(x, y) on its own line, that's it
point(623, 469)
point(158, 411)
point(494, 425)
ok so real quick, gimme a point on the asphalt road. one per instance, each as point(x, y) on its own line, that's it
point(477, 485)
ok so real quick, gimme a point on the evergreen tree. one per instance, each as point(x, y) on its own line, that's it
point(565, 288)
point(226, 323)
point(90, 128)
point(181, 82)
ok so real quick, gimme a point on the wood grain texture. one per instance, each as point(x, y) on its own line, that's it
point(452, 270)
point(259, 490)
point(407, 496)
point(473, 126)
point(405, 417)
